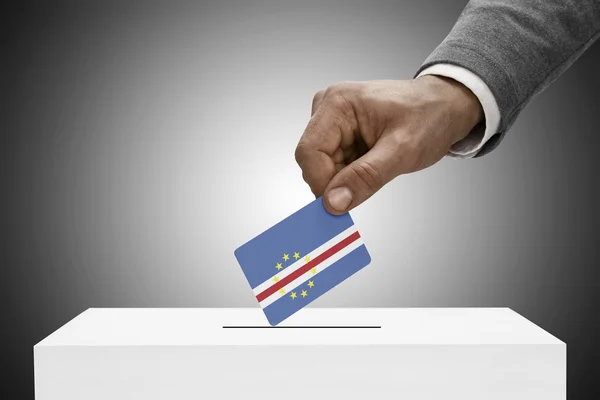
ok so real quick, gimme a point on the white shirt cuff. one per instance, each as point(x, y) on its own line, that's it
point(470, 145)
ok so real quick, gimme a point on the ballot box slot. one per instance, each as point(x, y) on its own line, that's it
point(303, 327)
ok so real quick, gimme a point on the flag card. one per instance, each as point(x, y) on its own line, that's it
point(301, 258)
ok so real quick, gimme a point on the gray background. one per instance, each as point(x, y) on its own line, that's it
point(142, 143)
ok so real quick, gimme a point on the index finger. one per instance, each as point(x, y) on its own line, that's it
point(318, 152)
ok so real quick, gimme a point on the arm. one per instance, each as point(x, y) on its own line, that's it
point(362, 135)
point(517, 48)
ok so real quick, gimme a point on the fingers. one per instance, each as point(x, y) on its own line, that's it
point(316, 152)
point(362, 178)
point(319, 153)
point(317, 167)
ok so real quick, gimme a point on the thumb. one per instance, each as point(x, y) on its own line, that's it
point(359, 180)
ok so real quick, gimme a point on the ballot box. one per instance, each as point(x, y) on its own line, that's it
point(318, 353)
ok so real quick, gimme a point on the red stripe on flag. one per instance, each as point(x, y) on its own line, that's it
point(308, 266)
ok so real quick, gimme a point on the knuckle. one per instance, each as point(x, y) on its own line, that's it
point(340, 101)
point(414, 151)
point(338, 88)
point(332, 89)
point(340, 95)
point(300, 152)
point(403, 145)
point(318, 96)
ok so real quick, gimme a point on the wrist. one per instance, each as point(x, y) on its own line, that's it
point(462, 103)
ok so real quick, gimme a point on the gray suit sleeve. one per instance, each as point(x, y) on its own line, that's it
point(518, 48)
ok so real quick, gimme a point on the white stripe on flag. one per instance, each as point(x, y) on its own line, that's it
point(320, 268)
point(301, 261)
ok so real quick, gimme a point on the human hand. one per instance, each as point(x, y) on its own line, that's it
point(364, 134)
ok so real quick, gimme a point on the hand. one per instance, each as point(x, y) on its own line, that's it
point(364, 134)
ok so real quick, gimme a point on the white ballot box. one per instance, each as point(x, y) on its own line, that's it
point(343, 353)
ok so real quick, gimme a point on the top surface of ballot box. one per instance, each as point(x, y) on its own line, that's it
point(345, 353)
point(311, 326)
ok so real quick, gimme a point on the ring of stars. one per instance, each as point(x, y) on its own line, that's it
point(279, 266)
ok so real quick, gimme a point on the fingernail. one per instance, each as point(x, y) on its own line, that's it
point(340, 198)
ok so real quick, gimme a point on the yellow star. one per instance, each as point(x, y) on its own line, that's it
point(304, 294)
point(296, 255)
point(293, 295)
point(286, 257)
point(307, 258)
point(276, 279)
point(279, 266)
point(281, 291)
point(311, 284)
point(314, 271)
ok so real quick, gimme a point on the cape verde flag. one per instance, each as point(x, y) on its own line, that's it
point(299, 259)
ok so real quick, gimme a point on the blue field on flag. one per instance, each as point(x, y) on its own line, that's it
point(299, 259)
